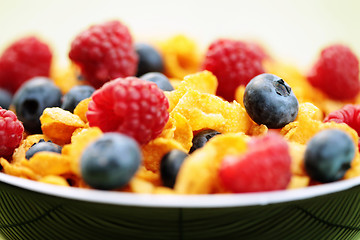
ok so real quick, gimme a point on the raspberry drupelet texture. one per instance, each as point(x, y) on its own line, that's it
point(234, 63)
point(130, 106)
point(24, 59)
point(104, 52)
point(349, 114)
point(336, 73)
point(266, 166)
point(11, 132)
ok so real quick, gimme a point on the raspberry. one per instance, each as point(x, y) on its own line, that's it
point(234, 63)
point(23, 60)
point(11, 132)
point(349, 114)
point(104, 52)
point(130, 106)
point(264, 167)
point(336, 73)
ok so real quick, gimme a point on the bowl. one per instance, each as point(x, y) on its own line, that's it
point(33, 210)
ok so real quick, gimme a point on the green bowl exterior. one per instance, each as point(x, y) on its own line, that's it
point(27, 214)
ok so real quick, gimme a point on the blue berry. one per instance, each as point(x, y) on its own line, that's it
point(149, 59)
point(75, 95)
point(5, 98)
point(32, 98)
point(42, 146)
point(170, 165)
point(329, 155)
point(269, 100)
point(201, 138)
point(111, 161)
point(159, 79)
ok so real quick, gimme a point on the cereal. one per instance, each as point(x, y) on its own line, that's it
point(58, 124)
point(199, 172)
point(193, 107)
point(156, 149)
point(180, 56)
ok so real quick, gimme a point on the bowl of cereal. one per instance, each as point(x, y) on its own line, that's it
point(155, 140)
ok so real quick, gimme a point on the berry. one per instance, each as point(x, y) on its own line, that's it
point(149, 59)
point(159, 79)
point(31, 100)
point(348, 114)
point(170, 165)
point(104, 52)
point(336, 73)
point(5, 98)
point(130, 106)
point(75, 95)
point(110, 162)
point(42, 146)
point(234, 63)
point(328, 155)
point(201, 138)
point(266, 166)
point(11, 132)
point(269, 100)
point(23, 60)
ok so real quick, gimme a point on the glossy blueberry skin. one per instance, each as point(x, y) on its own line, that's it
point(32, 98)
point(149, 59)
point(159, 79)
point(75, 95)
point(269, 100)
point(110, 162)
point(42, 146)
point(170, 165)
point(201, 138)
point(5, 98)
point(328, 155)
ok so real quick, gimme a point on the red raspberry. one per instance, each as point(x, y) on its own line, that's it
point(11, 132)
point(349, 114)
point(336, 73)
point(264, 167)
point(104, 52)
point(23, 60)
point(234, 63)
point(130, 106)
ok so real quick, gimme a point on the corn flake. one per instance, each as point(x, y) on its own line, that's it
point(199, 172)
point(58, 124)
point(156, 149)
point(180, 56)
point(206, 111)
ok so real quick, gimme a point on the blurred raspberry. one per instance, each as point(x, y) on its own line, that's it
point(23, 60)
point(130, 106)
point(349, 114)
point(264, 167)
point(104, 52)
point(11, 132)
point(336, 73)
point(234, 63)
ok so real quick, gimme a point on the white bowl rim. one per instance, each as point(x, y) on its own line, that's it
point(179, 201)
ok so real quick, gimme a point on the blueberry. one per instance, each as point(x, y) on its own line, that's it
point(160, 79)
point(111, 161)
point(170, 165)
point(201, 138)
point(76, 94)
point(149, 59)
point(5, 98)
point(32, 98)
point(42, 146)
point(328, 155)
point(269, 100)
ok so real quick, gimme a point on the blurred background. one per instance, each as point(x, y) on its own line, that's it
point(293, 31)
